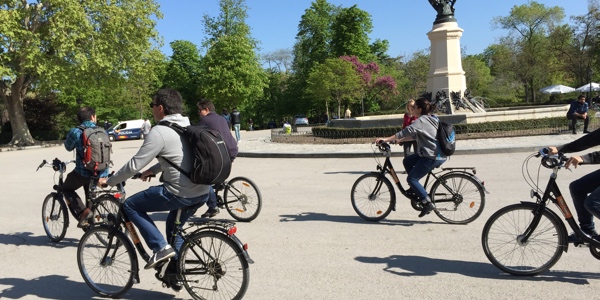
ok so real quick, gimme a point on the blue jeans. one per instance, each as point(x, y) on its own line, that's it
point(587, 206)
point(237, 131)
point(212, 198)
point(154, 199)
point(417, 167)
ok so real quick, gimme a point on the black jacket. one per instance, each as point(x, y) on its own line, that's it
point(587, 141)
point(218, 123)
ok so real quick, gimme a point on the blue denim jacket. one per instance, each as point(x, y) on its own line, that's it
point(74, 141)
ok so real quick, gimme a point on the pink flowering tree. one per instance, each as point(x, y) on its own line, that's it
point(376, 89)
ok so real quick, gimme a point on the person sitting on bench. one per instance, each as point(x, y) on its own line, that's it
point(579, 110)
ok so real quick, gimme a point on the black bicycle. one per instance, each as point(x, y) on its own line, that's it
point(459, 196)
point(55, 218)
point(528, 238)
point(241, 198)
point(212, 263)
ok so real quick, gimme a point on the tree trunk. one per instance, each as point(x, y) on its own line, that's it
point(16, 115)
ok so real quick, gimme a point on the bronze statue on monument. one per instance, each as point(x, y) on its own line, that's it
point(445, 10)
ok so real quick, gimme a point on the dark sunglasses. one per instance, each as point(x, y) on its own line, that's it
point(153, 104)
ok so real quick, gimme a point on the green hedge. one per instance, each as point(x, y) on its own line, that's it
point(542, 125)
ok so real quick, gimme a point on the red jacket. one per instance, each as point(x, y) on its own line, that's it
point(408, 120)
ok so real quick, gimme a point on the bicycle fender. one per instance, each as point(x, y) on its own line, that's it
point(55, 195)
point(234, 238)
point(472, 176)
point(561, 227)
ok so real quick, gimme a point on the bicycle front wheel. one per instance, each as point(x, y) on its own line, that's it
point(372, 197)
point(505, 246)
point(458, 198)
point(106, 261)
point(54, 217)
point(242, 199)
point(213, 267)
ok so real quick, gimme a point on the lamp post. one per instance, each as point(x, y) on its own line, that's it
point(590, 72)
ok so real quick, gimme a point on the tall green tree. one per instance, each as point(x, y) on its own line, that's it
point(336, 81)
point(56, 45)
point(350, 34)
point(529, 26)
point(232, 74)
point(183, 72)
point(477, 74)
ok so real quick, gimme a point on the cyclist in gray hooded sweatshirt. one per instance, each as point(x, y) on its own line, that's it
point(428, 154)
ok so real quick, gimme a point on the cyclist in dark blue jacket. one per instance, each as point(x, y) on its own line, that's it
point(585, 191)
point(208, 117)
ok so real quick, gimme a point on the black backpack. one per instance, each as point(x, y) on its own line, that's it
point(96, 148)
point(212, 163)
point(446, 138)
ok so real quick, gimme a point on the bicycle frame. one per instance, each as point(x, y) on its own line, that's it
point(553, 194)
point(387, 167)
point(122, 222)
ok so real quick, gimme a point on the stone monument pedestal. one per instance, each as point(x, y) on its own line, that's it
point(445, 67)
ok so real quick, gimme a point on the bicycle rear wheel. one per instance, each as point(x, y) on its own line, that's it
point(504, 245)
point(102, 207)
point(458, 198)
point(55, 217)
point(106, 261)
point(242, 199)
point(213, 267)
point(372, 197)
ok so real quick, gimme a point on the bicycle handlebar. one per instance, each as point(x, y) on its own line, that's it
point(552, 161)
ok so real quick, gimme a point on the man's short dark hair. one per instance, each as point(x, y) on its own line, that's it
point(170, 100)
point(580, 96)
point(85, 114)
point(205, 103)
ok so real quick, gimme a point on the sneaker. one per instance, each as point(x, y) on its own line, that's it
point(427, 208)
point(585, 131)
point(160, 256)
point(573, 238)
point(84, 216)
point(211, 212)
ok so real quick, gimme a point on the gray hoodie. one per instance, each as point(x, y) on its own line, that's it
point(424, 131)
point(166, 143)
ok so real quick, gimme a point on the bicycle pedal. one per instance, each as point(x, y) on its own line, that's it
point(581, 245)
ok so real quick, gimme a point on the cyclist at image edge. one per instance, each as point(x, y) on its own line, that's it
point(208, 117)
point(80, 176)
point(428, 154)
point(176, 190)
point(587, 206)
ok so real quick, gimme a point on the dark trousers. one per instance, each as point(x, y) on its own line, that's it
point(407, 146)
point(73, 182)
point(574, 119)
point(585, 192)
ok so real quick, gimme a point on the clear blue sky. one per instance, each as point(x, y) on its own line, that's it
point(274, 23)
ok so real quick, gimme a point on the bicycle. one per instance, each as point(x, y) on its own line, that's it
point(212, 261)
point(55, 217)
point(528, 238)
point(459, 196)
point(241, 198)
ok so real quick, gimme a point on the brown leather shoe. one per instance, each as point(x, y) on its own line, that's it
point(84, 216)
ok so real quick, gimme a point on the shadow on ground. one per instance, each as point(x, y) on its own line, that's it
point(408, 265)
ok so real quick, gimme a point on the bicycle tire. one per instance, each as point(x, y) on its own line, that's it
point(212, 266)
point(55, 217)
point(242, 199)
point(113, 277)
point(373, 197)
point(461, 206)
point(501, 245)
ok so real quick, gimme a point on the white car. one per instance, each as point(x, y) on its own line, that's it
point(300, 120)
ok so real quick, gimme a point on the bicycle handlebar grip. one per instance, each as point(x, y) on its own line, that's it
point(42, 164)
